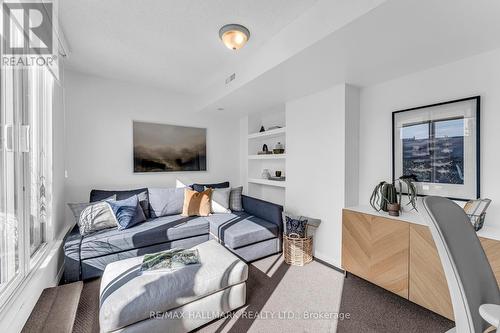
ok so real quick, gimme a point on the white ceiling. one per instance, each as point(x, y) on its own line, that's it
point(167, 43)
point(397, 38)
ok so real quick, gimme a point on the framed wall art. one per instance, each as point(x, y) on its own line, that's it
point(438, 145)
point(163, 148)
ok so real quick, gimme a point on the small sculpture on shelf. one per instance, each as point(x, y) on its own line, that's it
point(264, 151)
point(265, 174)
point(262, 129)
point(279, 148)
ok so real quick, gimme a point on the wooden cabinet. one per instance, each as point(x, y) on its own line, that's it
point(402, 258)
point(428, 286)
point(492, 250)
point(376, 249)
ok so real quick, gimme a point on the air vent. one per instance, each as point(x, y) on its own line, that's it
point(231, 78)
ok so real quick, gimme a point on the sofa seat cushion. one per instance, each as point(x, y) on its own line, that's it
point(240, 229)
point(127, 296)
point(153, 231)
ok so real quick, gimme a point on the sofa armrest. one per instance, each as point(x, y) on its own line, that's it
point(72, 265)
point(264, 209)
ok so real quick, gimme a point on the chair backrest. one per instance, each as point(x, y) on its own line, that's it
point(469, 275)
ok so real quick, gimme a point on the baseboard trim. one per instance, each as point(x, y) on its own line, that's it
point(338, 269)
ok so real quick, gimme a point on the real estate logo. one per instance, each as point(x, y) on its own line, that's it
point(27, 33)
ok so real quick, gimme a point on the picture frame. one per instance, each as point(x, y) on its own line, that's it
point(168, 148)
point(439, 146)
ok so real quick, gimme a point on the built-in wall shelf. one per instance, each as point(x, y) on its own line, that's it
point(276, 183)
point(268, 134)
point(267, 157)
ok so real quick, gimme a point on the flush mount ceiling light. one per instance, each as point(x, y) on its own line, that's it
point(234, 36)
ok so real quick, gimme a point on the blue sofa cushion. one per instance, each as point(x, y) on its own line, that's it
point(99, 195)
point(154, 231)
point(201, 187)
point(241, 229)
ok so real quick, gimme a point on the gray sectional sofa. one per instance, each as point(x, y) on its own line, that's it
point(251, 234)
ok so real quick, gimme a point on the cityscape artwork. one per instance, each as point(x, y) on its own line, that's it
point(438, 146)
point(433, 151)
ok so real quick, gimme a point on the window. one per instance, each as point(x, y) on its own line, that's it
point(25, 170)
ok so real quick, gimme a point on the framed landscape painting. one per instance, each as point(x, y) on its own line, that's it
point(438, 146)
point(163, 148)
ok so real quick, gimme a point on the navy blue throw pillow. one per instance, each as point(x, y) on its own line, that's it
point(125, 212)
point(296, 226)
point(201, 187)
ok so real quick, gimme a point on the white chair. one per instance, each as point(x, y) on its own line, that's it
point(474, 291)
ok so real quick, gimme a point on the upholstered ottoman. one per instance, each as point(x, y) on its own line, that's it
point(178, 301)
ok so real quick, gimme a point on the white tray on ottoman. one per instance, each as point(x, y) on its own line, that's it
point(178, 301)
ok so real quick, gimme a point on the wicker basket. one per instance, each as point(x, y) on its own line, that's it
point(297, 250)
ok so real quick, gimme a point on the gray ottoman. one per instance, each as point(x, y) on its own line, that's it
point(173, 302)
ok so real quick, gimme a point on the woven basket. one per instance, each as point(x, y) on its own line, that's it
point(297, 250)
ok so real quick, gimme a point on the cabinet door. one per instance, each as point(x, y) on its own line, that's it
point(356, 243)
point(389, 255)
point(428, 286)
point(492, 250)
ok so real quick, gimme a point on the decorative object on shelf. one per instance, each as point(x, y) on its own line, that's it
point(273, 128)
point(279, 148)
point(277, 173)
point(162, 147)
point(297, 243)
point(280, 179)
point(386, 197)
point(265, 174)
point(439, 146)
point(265, 150)
point(476, 211)
point(262, 129)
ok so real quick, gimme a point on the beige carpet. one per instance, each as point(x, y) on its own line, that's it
point(283, 298)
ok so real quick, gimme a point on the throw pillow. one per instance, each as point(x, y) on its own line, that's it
point(125, 212)
point(295, 226)
point(220, 200)
point(201, 187)
point(166, 201)
point(196, 203)
point(77, 208)
point(235, 203)
point(99, 195)
point(95, 217)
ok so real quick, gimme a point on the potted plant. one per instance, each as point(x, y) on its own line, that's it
point(387, 197)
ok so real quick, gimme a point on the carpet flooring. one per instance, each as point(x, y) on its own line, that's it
point(313, 298)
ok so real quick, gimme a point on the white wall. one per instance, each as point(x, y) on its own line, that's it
point(318, 132)
point(478, 75)
point(99, 136)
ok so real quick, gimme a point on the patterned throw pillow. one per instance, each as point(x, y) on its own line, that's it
point(235, 203)
point(95, 217)
point(296, 226)
point(126, 211)
point(78, 208)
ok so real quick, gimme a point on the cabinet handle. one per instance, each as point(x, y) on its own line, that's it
point(25, 139)
point(9, 138)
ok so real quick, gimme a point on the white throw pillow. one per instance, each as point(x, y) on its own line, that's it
point(166, 201)
point(220, 200)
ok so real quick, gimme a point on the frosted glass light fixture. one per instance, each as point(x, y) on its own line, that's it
point(234, 36)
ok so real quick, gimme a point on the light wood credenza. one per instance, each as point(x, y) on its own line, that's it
point(399, 255)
